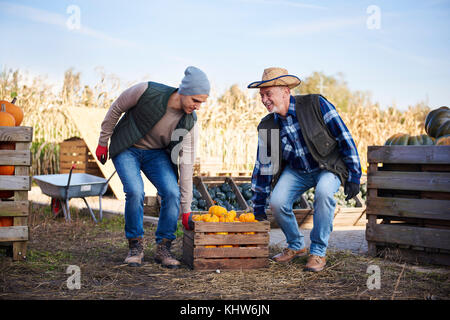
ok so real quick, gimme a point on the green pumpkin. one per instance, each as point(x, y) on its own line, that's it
point(437, 122)
point(403, 139)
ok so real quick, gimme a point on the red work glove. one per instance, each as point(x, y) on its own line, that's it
point(102, 153)
point(187, 221)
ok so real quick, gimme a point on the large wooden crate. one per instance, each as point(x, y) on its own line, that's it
point(202, 183)
point(15, 237)
point(409, 190)
point(247, 245)
point(75, 151)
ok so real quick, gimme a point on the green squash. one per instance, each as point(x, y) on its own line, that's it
point(437, 122)
point(403, 139)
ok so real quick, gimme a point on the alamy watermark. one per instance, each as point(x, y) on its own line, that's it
point(373, 21)
point(73, 22)
point(374, 280)
point(74, 280)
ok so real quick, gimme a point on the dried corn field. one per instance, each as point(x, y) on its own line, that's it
point(227, 121)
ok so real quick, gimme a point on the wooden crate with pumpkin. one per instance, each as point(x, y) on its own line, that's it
point(227, 245)
point(15, 180)
point(222, 191)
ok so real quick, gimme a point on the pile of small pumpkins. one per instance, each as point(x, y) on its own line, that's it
point(437, 128)
point(10, 116)
point(220, 214)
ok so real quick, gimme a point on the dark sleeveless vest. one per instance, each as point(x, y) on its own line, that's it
point(141, 118)
point(320, 142)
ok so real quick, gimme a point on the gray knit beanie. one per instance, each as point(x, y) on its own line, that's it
point(194, 82)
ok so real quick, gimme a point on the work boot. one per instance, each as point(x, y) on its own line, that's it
point(164, 256)
point(136, 252)
point(289, 254)
point(315, 263)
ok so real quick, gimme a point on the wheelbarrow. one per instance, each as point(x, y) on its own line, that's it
point(63, 187)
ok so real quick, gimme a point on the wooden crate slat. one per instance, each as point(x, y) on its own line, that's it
point(16, 134)
point(14, 208)
point(15, 182)
point(224, 264)
point(70, 150)
point(69, 158)
point(247, 252)
point(409, 235)
point(345, 217)
point(409, 154)
point(409, 208)
point(15, 158)
point(16, 233)
point(420, 181)
point(198, 181)
point(239, 197)
point(236, 239)
point(73, 143)
point(261, 226)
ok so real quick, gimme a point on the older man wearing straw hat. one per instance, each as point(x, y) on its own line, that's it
point(303, 143)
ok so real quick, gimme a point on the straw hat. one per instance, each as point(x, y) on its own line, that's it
point(276, 77)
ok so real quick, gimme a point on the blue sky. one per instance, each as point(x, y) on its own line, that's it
point(404, 61)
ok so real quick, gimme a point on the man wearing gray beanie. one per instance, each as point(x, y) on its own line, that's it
point(157, 135)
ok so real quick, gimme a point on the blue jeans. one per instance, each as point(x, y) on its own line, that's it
point(157, 167)
point(290, 186)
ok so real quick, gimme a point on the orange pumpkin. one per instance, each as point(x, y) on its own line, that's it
point(214, 219)
point(6, 221)
point(6, 119)
point(443, 141)
point(247, 217)
point(217, 211)
point(14, 110)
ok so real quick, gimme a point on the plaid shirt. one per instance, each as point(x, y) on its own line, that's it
point(296, 153)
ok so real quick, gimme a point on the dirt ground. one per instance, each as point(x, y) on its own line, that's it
point(99, 250)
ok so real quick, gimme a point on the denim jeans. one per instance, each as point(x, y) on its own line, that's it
point(290, 186)
point(157, 167)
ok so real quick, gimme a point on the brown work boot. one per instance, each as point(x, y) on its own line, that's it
point(136, 252)
point(163, 255)
point(315, 263)
point(288, 254)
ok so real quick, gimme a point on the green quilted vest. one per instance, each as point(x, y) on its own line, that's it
point(320, 142)
point(141, 118)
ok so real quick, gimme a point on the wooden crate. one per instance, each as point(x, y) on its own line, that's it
point(202, 183)
point(18, 206)
point(75, 151)
point(249, 251)
point(409, 189)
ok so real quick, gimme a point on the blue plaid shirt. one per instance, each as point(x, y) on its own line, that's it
point(296, 153)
